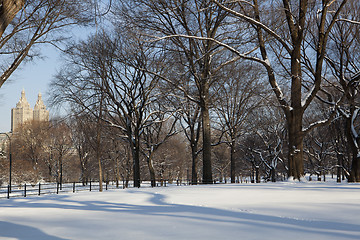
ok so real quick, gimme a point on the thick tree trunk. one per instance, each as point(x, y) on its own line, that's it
point(295, 144)
point(273, 174)
point(8, 10)
point(204, 107)
point(355, 165)
point(355, 169)
point(207, 172)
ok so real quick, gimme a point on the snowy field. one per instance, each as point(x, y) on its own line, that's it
point(234, 211)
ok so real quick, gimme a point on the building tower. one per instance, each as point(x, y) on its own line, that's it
point(22, 113)
point(40, 112)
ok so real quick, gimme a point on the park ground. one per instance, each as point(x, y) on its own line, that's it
point(285, 210)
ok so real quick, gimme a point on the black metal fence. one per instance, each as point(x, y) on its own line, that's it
point(25, 190)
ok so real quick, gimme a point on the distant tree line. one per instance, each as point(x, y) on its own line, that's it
point(208, 90)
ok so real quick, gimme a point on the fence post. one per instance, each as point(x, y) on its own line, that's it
point(8, 192)
point(73, 187)
point(39, 189)
point(25, 190)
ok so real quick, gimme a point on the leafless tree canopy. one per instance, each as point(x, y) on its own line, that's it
point(200, 90)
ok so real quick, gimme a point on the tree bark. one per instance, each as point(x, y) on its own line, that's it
point(207, 172)
point(296, 151)
point(194, 176)
point(273, 174)
point(354, 143)
point(232, 161)
point(151, 171)
point(8, 11)
point(136, 163)
point(98, 142)
point(355, 169)
point(257, 174)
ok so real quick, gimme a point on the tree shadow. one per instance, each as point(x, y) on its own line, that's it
point(22, 232)
point(159, 207)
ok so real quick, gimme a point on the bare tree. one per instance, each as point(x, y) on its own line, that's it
point(159, 130)
point(238, 95)
point(343, 59)
point(191, 124)
point(80, 131)
point(108, 70)
point(175, 22)
point(30, 140)
point(293, 48)
point(29, 144)
point(26, 24)
point(61, 145)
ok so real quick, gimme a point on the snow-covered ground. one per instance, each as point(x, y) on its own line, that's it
point(234, 211)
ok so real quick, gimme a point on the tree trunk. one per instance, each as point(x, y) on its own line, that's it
point(295, 144)
point(232, 161)
point(8, 11)
point(98, 157)
point(257, 174)
point(151, 171)
point(117, 172)
point(194, 177)
point(207, 172)
point(194, 140)
point(355, 165)
point(252, 175)
point(61, 173)
point(339, 168)
point(273, 174)
point(136, 163)
point(355, 169)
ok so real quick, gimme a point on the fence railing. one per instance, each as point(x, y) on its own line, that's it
point(25, 190)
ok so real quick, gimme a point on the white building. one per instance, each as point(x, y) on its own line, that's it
point(24, 113)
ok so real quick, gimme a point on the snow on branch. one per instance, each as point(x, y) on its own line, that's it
point(257, 23)
point(241, 55)
point(320, 123)
point(349, 21)
point(265, 63)
point(172, 83)
point(261, 157)
point(353, 130)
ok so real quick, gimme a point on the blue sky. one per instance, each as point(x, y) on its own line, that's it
point(34, 77)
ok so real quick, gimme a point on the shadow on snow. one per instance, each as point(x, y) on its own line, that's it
point(179, 211)
point(22, 232)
